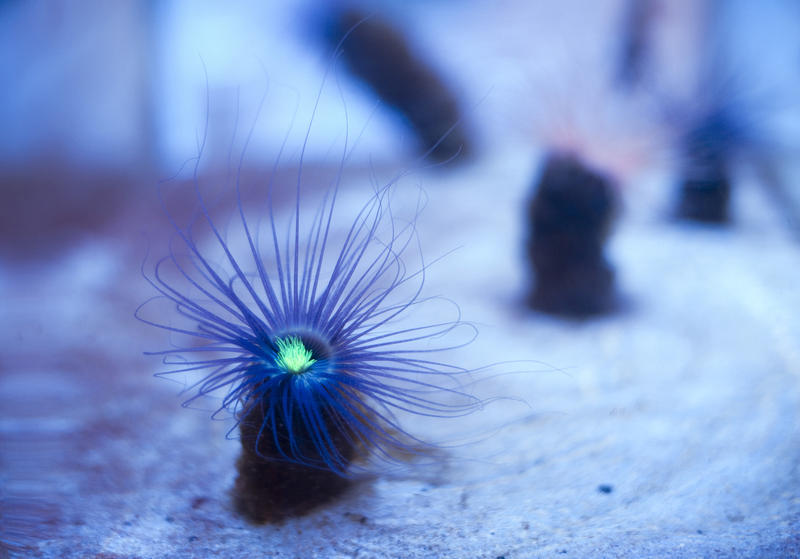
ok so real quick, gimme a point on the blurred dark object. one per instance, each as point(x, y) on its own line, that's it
point(635, 41)
point(271, 489)
point(378, 54)
point(570, 217)
point(705, 187)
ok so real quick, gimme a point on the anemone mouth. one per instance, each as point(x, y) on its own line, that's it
point(298, 352)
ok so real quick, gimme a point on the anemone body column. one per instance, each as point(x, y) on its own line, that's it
point(282, 470)
point(569, 218)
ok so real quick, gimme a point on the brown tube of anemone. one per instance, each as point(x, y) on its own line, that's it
point(270, 489)
point(705, 185)
point(379, 55)
point(569, 218)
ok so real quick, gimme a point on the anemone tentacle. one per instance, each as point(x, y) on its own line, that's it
point(305, 335)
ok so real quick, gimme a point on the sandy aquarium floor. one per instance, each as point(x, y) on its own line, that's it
point(670, 429)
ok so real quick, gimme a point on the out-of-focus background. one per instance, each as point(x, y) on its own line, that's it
point(668, 427)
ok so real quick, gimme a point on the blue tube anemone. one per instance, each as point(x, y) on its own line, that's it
point(309, 334)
